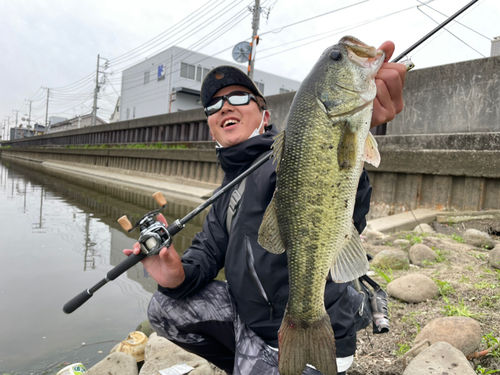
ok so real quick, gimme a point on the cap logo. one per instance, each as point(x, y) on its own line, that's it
point(219, 75)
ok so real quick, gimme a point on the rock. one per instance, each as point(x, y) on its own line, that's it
point(162, 354)
point(449, 245)
point(495, 258)
point(421, 254)
point(145, 328)
point(461, 332)
point(115, 364)
point(394, 259)
point(424, 228)
point(477, 238)
point(413, 288)
point(375, 235)
point(401, 242)
point(440, 358)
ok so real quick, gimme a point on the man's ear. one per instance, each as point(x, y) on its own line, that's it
point(266, 118)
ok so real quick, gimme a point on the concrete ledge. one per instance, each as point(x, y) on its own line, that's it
point(440, 162)
point(404, 221)
point(456, 217)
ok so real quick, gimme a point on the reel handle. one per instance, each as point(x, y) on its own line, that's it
point(125, 223)
point(160, 199)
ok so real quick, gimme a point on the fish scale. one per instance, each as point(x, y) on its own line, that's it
point(320, 156)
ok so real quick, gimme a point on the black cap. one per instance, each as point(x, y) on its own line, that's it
point(224, 76)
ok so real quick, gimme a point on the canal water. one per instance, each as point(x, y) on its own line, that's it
point(58, 237)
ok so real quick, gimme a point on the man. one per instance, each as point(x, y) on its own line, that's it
point(234, 325)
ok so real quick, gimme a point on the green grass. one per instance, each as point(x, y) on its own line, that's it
point(414, 238)
point(484, 285)
point(459, 310)
point(445, 288)
point(478, 256)
point(388, 277)
point(489, 302)
point(457, 238)
point(484, 371)
point(490, 340)
point(402, 349)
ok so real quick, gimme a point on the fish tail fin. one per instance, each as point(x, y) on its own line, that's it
point(300, 345)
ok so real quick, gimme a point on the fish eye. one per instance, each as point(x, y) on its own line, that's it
point(336, 55)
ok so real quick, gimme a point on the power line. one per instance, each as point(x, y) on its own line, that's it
point(451, 33)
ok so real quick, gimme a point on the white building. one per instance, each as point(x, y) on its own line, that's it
point(146, 87)
point(74, 123)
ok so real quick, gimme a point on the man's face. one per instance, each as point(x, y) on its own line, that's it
point(234, 124)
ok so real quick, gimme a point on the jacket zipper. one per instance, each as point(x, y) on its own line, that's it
point(255, 277)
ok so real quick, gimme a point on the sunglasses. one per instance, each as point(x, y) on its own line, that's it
point(235, 98)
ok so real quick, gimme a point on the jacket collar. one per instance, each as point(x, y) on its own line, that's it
point(236, 159)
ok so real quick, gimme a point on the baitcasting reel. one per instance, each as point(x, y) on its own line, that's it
point(154, 234)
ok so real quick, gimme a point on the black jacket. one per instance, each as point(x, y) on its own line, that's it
point(258, 280)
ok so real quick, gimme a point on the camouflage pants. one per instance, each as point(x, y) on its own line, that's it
point(213, 310)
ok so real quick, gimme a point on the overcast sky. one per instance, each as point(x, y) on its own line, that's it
point(55, 43)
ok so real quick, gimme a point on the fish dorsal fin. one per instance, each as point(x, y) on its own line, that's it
point(371, 154)
point(269, 232)
point(351, 262)
point(279, 143)
point(346, 151)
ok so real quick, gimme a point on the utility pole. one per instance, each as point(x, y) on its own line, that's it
point(17, 112)
point(94, 108)
point(29, 115)
point(255, 38)
point(46, 111)
point(7, 135)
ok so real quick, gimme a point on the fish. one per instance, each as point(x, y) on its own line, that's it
point(320, 155)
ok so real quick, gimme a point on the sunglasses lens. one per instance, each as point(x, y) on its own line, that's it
point(211, 109)
point(239, 99)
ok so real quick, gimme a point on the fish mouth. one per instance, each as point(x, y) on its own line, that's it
point(362, 54)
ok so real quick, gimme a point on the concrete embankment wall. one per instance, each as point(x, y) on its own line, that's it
point(441, 152)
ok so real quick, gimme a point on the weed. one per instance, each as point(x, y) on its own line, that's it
point(387, 277)
point(388, 243)
point(492, 341)
point(478, 256)
point(414, 238)
point(445, 288)
point(410, 318)
point(459, 310)
point(457, 238)
point(484, 285)
point(440, 255)
point(483, 370)
point(402, 349)
point(489, 302)
point(464, 279)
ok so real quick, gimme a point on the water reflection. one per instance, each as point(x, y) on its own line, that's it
point(59, 236)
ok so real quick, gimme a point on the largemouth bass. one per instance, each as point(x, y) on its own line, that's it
point(320, 157)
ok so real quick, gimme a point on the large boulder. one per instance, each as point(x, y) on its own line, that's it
point(421, 255)
point(461, 332)
point(393, 259)
point(413, 288)
point(477, 238)
point(438, 359)
point(117, 363)
point(145, 327)
point(494, 258)
point(162, 354)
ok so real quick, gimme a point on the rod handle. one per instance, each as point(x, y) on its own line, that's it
point(76, 302)
point(125, 223)
point(126, 264)
point(160, 199)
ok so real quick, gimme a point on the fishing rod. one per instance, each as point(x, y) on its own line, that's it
point(154, 235)
point(439, 27)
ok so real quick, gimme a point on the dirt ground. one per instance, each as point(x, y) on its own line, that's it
point(468, 286)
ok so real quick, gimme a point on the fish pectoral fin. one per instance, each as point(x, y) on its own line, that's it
point(346, 150)
point(269, 232)
point(279, 143)
point(371, 154)
point(351, 262)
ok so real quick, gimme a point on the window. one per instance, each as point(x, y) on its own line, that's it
point(146, 77)
point(196, 73)
point(199, 70)
point(133, 113)
point(260, 86)
point(282, 90)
